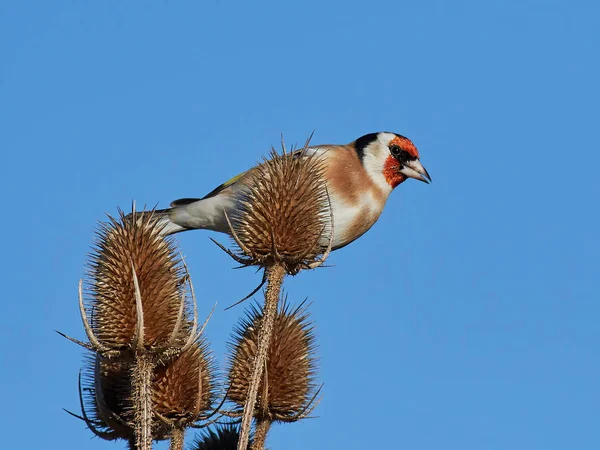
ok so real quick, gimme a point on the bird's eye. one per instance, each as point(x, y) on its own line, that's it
point(395, 150)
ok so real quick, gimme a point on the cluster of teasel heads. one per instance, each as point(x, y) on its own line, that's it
point(149, 375)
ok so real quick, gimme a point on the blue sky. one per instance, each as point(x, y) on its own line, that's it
point(467, 318)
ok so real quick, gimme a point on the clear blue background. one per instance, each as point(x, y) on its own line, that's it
point(466, 319)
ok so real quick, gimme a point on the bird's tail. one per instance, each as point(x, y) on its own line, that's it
point(162, 218)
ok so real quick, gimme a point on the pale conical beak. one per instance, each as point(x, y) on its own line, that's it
point(414, 169)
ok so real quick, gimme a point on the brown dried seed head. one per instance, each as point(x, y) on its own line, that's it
point(133, 239)
point(183, 389)
point(284, 213)
point(224, 437)
point(290, 368)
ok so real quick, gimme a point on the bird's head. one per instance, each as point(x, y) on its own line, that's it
point(390, 159)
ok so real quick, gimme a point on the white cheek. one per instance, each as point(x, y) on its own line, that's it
point(374, 164)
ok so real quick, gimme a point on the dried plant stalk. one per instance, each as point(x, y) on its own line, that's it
point(150, 374)
point(261, 430)
point(285, 224)
point(287, 389)
point(275, 276)
point(137, 304)
point(177, 439)
point(141, 383)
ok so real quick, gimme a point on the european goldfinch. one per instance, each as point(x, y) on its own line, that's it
point(360, 176)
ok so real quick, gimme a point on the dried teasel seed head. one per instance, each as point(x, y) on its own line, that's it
point(134, 242)
point(284, 215)
point(289, 390)
point(223, 437)
point(183, 388)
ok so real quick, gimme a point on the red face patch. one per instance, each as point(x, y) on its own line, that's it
point(391, 171)
point(406, 145)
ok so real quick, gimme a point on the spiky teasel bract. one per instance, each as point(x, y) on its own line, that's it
point(287, 388)
point(126, 249)
point(222, 437)
point(284, 215)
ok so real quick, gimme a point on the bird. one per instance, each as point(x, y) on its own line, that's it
point(359, 177)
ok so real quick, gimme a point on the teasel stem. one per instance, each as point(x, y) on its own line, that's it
point(261, 429)
point(142, 393)
point(141, 381)
point(262, 422)
point(177, 439)
point(275, 275)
